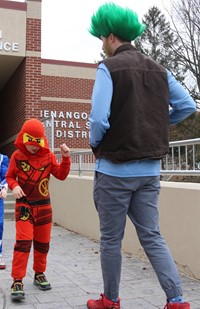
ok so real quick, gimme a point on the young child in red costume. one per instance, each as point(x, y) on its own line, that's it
point(28, 177)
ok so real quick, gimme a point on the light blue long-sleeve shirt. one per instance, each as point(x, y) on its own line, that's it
point(181, 105)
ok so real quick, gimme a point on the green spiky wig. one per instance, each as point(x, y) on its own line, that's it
point(122, 22)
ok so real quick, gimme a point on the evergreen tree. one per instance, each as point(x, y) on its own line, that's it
point(158, 40)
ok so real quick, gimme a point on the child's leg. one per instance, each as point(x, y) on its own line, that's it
point(42, 233)
point(24, 237)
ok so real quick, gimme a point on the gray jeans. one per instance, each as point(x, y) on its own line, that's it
point(137, 197)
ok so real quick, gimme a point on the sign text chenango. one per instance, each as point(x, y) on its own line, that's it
point(68, 124)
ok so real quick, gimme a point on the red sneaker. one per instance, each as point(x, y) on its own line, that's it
point(177, 306)
point(103, 303)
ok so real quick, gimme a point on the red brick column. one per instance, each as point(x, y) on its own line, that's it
point(33, 59)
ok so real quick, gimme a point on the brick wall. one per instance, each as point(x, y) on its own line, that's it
point(33, 87)
point(71, 125)
point(33, 34)
point(33, 68)
point(65, 87)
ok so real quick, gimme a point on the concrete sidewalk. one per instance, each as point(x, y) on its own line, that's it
point(74, 272)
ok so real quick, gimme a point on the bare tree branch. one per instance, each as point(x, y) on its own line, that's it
point(185, 20)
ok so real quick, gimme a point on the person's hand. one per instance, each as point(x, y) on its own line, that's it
point(3, 193)
point(65, 151)
point(18, 192)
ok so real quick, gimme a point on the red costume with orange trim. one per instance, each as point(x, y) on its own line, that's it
point(33, 212)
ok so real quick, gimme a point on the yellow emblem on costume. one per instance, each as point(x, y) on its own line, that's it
point(24, 213)
point(28, 138)
point(43, 187)
point(25, 166)
point(25, 217)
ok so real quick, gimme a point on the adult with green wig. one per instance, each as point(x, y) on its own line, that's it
point(134, 100)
